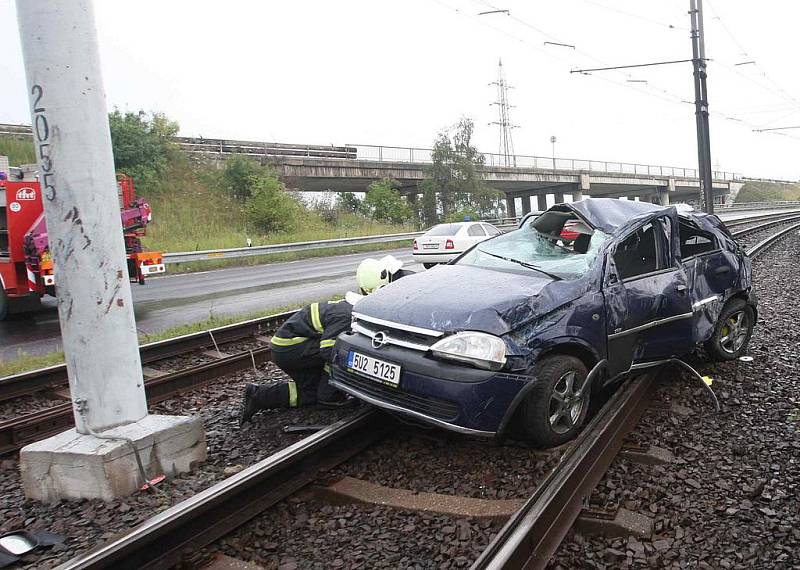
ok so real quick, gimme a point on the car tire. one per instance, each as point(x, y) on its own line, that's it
point(732, 331)
point(4, 302)
point(429, 265)
point(546, 419)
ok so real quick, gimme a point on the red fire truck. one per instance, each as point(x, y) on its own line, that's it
point(26, 268)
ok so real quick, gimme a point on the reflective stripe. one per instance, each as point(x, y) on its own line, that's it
point(327, 368)
point(327, 343)
point(279, 341)
point(315, 320)
point(292, 394)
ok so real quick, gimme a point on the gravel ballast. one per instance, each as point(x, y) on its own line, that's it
point(230, 448)
point(732, 497)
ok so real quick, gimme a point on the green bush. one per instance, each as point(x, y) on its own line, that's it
point(142, 145)
point(238, 175)
point(270, 208)
point(461, 214)
point(385, 204)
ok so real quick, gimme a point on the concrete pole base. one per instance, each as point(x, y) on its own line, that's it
point(71, 465)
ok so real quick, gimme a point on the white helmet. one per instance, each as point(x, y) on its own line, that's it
point(372, 274)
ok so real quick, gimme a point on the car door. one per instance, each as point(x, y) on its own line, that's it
point(648, 306)
point(711, 273)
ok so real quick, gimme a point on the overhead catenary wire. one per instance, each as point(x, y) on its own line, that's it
point(647, 88)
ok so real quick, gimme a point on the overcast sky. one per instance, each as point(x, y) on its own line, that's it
point(397, 72)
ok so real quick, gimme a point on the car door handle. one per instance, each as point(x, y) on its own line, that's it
point(680, 289)
point(722, 270)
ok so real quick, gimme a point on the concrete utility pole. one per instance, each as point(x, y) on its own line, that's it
point(701, 104)
point(73, 148)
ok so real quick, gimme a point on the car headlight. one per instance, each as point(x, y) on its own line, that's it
point(479, 349)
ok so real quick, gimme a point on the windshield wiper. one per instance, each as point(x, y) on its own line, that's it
point(523, 264)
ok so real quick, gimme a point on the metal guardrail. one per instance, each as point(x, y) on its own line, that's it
point(215, 254)
point(501, 223)
point(758, 205)
point(424, 155)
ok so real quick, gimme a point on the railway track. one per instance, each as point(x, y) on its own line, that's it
point(20, 431)
point(527, 540)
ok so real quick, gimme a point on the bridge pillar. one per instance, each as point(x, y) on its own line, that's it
point(662, 196)
point(511, 206)
point(526, 204)
point(542, 199)
point(559, 197)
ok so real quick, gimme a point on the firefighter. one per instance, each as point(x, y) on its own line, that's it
point(303, 346)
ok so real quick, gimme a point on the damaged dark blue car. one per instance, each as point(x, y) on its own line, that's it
point(521, 330)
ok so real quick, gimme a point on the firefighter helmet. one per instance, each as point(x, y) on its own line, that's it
point(372, 274)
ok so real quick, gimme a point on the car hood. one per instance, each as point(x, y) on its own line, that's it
point(453, 298)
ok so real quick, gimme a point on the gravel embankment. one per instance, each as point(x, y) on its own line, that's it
point(299, 534)
point(231, 448)
point(451, 464)
point(732, 497)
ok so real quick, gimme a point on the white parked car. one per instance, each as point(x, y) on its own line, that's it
point(445, 242)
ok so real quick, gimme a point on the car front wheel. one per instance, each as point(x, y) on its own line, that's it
point(554, 410)
point(732, 332)
point(428, 265)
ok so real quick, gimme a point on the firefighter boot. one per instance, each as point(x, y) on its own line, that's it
point(259, 397)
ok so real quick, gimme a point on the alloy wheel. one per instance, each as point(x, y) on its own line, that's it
point(566, 403)
point(734, 332)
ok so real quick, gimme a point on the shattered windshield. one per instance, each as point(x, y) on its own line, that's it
point(567, 254)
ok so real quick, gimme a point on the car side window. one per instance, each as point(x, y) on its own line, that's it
point(637, 254)
point(491, 230)
point(695, 241)
point(476, 231)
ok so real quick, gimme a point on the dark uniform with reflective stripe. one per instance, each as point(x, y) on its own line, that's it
point(302, 348)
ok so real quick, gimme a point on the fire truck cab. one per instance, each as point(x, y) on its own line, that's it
point(26, 267)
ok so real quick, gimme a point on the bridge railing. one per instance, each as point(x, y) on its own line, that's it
point(424, 155)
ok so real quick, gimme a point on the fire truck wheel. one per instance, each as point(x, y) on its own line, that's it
point(3, 305)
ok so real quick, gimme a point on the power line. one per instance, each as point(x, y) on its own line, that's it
point(746, 54)
point(636, 16)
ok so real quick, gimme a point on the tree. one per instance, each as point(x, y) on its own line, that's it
point(350, 203)
point(453, 181)
point(142, 144)
point(384, 203)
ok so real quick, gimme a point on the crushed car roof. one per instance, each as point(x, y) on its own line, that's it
point(609, 214)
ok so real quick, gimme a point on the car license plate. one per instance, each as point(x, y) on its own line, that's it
point(430, 246)
point(383, 372)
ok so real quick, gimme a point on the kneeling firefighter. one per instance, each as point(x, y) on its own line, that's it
point(302, 346)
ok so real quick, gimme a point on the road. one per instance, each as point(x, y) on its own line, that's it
point(172, 300)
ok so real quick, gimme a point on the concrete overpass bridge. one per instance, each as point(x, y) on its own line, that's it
point(528, 182)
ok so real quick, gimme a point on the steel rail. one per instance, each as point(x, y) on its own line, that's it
point(534, 533)
point(765, 226)
point(164, 540)
point(768, 242)
point(53, 376)
point(19, 432)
